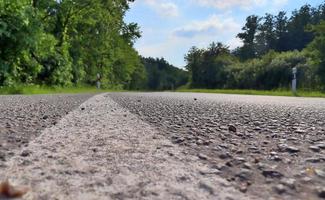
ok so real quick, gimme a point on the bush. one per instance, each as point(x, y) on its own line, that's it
point(272, 71)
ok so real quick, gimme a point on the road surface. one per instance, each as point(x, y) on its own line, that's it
point(177, 146)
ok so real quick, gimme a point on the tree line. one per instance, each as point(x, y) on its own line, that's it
point(163, 76)
point(68, 42)
point(272, 46)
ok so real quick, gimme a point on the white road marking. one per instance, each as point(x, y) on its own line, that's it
point(105, 152)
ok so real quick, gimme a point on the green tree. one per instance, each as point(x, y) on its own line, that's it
point(298, 36)
point(281, 32)
point(162, 75)
point(271, 71)
point(59, 42)
point(317, 52)
point(208, 66)
point(248, 51)
point(193, 61)
point(266, 37)
point(19, 34)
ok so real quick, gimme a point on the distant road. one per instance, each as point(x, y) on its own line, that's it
point(175, 146)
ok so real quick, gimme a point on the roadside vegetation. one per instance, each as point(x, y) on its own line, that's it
point(67, 43)
point(287, 93)
point(162, 75)
point(35, 89)
point(61, 46)
point(272, 47)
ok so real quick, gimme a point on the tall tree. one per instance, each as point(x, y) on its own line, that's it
point(57, 42)
point(20, 31)
point(266, 37)
point(281, 31)
point(193, 59)
point(317, 51)
point(248, 50)
point(298, 36)
point(162, 75)
point(207, 66)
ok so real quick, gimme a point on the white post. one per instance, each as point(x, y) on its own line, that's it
point(98, 81)
point(294, 80)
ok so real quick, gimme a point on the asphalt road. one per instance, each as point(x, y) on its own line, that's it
point(164, 146)
point(102, 151)
point(22, 118)
point(277, 150)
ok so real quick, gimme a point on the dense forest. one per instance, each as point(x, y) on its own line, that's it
point(68, 42)
point(163, 76)
point(272, 46)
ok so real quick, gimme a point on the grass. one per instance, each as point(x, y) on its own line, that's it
point(257, 92)
point(34, 89)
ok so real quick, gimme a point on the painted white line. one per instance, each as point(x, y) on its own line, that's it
point(105, 152)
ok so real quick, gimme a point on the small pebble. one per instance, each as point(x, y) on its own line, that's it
point(321, 192)
point(232, 128)
point(25, 153)
point(314, 148)
point(202, 156)
point(280, 189)
point(291, 149)
point(320, 173)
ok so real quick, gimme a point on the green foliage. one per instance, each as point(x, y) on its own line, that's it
point(272, 46)
point(208, 66)
point(316, 50)
point(222, 70)
point(69, 42)
point(274, 70)
point(36, 89)
point(278, 92)
point(163, 76)
point(60, 43)
point(139, 78)
point(18, 35)
point(248, 50)
point(298, 36)
point(279, 33)
point(266, 38)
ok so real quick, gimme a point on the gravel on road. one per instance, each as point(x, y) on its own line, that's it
point(22, 118)
point(269, 147)
point(102, 151)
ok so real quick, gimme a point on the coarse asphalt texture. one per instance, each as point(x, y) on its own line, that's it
point(269, 147)
point(102, 151)
point(23, 117)
point(164, 146)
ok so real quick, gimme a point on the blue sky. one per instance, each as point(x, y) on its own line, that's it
point(170, 27)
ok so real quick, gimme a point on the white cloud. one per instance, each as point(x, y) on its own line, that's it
point(164, 8)
point(222, 4)
point(244, 4)
point(215, 25)
point(172, 40)
point(234, 43)
point(280, 3)
point(173, 47)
